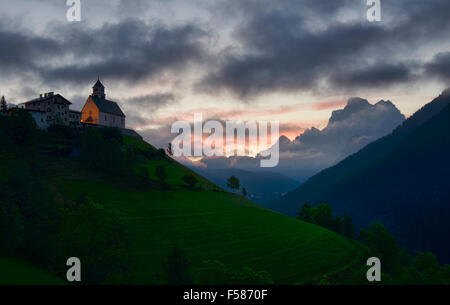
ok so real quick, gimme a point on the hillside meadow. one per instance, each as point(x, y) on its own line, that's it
point(207, 223)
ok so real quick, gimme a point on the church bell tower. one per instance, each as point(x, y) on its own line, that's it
point(98, 90)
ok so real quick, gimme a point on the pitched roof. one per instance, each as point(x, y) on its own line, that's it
point(44, 98)
point(99, 84)
point(107, 106)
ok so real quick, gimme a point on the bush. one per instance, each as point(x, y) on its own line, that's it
point(190, 180)
point(60, 131)
point(18, 133)
point(382, 245)
point(216, 273)
point(100, 150)
point(11, 227)
point(161, 174)
point(161, 153)
point(176, 267)
point(144, 174)
point(99, 240)
point(233, 183)
point(111, 134)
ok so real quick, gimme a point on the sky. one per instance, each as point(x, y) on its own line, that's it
point(292, 61)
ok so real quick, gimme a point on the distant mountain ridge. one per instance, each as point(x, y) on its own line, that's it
point(400, 180)
point(348, 130)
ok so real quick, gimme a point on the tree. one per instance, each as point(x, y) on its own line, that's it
point(305, 213)
point(233, 183)
point(94, 234)
point(349, 231)
point(11, 226)
point(382, 245)
point(244, 192)
point(101, 150)
point(161, 174)
point(19, 132)
point(144, 174)
point(338, 225)
point(3, 106)
point(190, 180)
point(161, 153)
point(112, 133)
point(176, 267)
point(169, 149)
point(322, 215)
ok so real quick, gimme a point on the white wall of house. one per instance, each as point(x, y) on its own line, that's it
point(74, 117)
point(111, 120)
point(56, 108)
point(40, 118)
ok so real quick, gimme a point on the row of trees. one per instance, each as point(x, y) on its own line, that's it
point(398, 266)
point(161, 175)
point(178, 271)
point(322, 215)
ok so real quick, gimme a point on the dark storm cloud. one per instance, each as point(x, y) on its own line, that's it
point(440, 66)
point(130, 50)
point(376, 75)
point(279, 51)
point(152, 101)
point(20, 50)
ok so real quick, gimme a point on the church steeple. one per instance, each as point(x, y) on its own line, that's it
point(98, 90)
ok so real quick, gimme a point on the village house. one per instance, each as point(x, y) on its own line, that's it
point(99, 111)
point(74, 117)
point(49, 108)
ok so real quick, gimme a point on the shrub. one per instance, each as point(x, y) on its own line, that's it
point(98, 239)
point(102, 153)
point(161, 174)
point(190, 180)
point(214, 272)
point(233, 183)
point(176, 267)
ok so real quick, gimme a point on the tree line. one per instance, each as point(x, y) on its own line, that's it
point(398, 266)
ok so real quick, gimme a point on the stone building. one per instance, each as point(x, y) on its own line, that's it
point(55, 107)
point(99, 111)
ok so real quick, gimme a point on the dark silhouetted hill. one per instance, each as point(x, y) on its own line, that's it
point(400, 180)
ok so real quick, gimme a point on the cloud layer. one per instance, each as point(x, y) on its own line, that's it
point(348, 130)
point(224, 55)
point(281, 51)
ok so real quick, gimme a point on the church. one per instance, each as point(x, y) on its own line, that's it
point(99, 111)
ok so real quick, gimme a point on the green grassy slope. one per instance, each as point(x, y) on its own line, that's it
point(175, 171)
point(17, 272)
point(207, 224)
